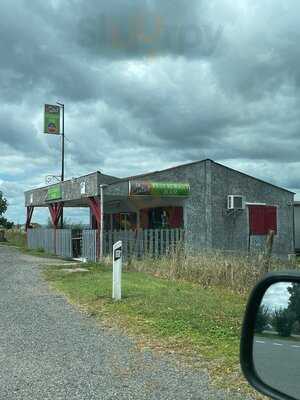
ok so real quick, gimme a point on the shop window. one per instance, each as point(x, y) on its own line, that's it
point(161, 218)
point(128, 221)
point(106, 222)
point(124, 221)
point(262, 219)
point(116, 222)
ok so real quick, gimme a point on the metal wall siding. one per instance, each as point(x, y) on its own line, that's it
point(45, 239)
point(64, 243)
point(89, 247)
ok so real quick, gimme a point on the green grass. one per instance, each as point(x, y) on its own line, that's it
point(165, 314)
point(38, 253)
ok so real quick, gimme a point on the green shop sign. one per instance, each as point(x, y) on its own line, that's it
point(54, 193)
point(52, 119)
point(146, 188)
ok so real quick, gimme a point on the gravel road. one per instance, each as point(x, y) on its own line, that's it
point(49, 350)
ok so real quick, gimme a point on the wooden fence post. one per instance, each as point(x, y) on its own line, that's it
point(268, 251)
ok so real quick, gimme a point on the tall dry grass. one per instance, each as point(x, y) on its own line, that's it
point(237, 272)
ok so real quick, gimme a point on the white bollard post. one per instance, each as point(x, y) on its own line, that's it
point(117, 270)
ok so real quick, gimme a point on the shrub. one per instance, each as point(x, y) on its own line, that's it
point(262, 319)
point(283, 321)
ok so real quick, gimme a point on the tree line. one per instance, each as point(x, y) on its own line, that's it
point(284, 321)
point(4, 223)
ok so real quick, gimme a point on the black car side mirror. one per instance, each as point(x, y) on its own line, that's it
point(270, 341)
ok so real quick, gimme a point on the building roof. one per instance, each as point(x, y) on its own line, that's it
point(257, 179)
point(111, 180)
point(198, 162)
point(108, 178)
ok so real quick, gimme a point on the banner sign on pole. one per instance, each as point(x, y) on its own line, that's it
point(117, 270)
point(146, 188)
point(52, 119)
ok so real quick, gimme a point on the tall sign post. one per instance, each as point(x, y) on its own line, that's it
point(52, 119)
point(62, 155)
point(117, 270)
point(100, 228)
point(62, 106)
point(52, 127)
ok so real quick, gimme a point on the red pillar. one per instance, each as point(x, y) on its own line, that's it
point(94, 205)
point(29, 210)
point(55, 212)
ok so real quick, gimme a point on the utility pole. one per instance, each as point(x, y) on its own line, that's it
point(62, 156)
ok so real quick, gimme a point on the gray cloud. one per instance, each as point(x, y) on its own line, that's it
point(148, 85)
point(134, 29)
point(277, 296)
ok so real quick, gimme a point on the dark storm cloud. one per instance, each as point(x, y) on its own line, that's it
point(134, 29)
point(259, 53)
point(18, 133)
point(39, 55)
point(53, 48)
point(149, 84)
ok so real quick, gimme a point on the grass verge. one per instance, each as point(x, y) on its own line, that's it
point(200, 324)
point(15, 238)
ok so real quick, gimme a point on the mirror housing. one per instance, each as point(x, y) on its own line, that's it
point(248, 331)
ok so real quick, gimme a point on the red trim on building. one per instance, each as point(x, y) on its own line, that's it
point(176, 217)
point(95, 209)
point(55, 212)
point(262, 219)
point(29, 211)
point(94, 205)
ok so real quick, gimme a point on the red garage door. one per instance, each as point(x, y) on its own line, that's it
point(262, 219)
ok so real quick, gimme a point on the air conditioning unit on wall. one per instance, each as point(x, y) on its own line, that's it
point(235, 202)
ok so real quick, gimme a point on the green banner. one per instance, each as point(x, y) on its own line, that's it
point(54, 193)
point(146, 188)
point(52, 119)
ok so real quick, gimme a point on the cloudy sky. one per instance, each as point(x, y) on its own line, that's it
point(277, 296)
point(149, 84)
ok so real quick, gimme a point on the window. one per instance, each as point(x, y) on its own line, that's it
point(161, 218)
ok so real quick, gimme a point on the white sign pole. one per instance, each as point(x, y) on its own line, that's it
point(101, 224)
point(101, 221)
point(117, 270)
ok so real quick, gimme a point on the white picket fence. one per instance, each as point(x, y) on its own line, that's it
point(138, 243)
point(147, 242)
